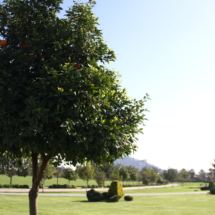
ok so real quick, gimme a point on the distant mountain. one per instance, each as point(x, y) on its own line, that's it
point(127, 161)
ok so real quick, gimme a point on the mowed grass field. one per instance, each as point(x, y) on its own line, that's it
point(145, 205)
point(28, 180)
point(202, 204)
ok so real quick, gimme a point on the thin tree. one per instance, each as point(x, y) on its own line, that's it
point(69, 174)
point(86, 172)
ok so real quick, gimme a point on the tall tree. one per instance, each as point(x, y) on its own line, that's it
point(57, 99)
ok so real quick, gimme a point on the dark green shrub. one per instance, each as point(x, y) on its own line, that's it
point(204, 188)
point(128, 198)
point(20, 186)
point(62, 186)
point(212, 191)
point(25, 186)
point(6, 186)
point(94, 196)
point(1, 185)
point(211, 185)
point(105, 194)
point(114, 198)
point(115, 189)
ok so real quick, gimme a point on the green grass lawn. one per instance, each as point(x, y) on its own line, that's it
point(145, 205)
point(28, 180)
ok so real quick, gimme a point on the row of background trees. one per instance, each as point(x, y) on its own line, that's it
point(22, 167)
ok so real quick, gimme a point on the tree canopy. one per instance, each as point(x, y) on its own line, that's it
point(57, 99)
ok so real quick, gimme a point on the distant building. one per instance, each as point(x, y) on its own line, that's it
point(127, 161)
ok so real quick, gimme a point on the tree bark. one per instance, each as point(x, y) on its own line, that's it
point(37, 176)
point(10, 181)
point(33, 209)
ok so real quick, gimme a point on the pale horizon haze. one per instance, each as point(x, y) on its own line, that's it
point(166, 49)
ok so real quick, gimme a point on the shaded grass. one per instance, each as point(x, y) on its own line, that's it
point(146, 205)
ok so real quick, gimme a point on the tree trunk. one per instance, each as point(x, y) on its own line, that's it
point(10, 181)
point(33, 200)
point(37, 176)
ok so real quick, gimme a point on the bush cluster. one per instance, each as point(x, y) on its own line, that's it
point(114, 193)
point(211, 185)
point(204, 188)
point(128, 198)
point(20, 186)
point(115, 189)
point(94, 196)
point(90, 186)
point(212, 191)
point(13, 186)
point(114, 198)
point(62, 186)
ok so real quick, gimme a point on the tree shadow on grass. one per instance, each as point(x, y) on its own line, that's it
point(86, 201)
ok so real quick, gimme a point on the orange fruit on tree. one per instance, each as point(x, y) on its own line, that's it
point(23, 45)
point(30, 53)
point(40, 56)
point(3, 42)
point(77, 66)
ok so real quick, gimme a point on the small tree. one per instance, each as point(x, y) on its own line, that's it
point(183, 175)
point(11, 166)
point(192, 174)
point(123, 172)
point(100, 178)
point(202, 176)
point(148, 175)
point(170, 175)
point(69, 174)
point(86, 172)
point(212, 171)
point(107, 169)
point(48, 174)
point(58, 173)
point(133, 176)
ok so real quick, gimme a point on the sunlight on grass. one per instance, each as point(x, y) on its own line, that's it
point(147, 205)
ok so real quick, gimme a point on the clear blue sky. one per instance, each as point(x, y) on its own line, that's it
point(167, 49)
